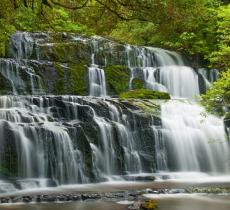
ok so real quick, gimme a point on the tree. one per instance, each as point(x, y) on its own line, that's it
point(217, 99)
point(221, 57)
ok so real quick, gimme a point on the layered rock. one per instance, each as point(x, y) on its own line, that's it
point(60, 63)
point(64, 137)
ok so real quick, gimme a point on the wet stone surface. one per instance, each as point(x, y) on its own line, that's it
point(109, 196)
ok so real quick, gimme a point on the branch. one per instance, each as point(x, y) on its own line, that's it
point(112, 11)
point(70, 7)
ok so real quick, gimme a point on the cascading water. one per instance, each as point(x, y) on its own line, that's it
point(190, 139)
point(193, 141)
point(22, 78)
point(163, 71)
point(49, 140)
point(97, 84)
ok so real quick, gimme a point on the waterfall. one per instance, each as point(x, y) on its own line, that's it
point(22, 77)
point(193, 140)
point(166, 71)
point(97, 84)
point(49, 140)
point(43, 148)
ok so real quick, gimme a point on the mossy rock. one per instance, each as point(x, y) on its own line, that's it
point(70, 79)
point(144, 94)
point(137, 83)
point(5, 86)
point(117, 78)
point(227, 116)
point(212, 190)
point(66, 52)
point(147, 106)
point(9, 155)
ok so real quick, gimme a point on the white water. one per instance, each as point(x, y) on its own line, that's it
point(166, 71)
point(97, 85)
point(187, 140)
point(97, 82)
point(195, 141)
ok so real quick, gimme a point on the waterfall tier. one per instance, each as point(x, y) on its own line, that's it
point(70, 64)
point(49, 136)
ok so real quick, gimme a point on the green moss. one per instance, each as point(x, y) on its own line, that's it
point(77, 80)
point(117, 78)
point(137, 83)
point(5, 86)
point(144, 94)
point(59, 85)
point(65, 52)
point(227, 115)
point(147, 107)
point(62, 52)
point(70, 79)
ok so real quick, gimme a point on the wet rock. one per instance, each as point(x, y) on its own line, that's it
point(94, 196)
point(38, 199)
point(47, 198)
point(148, 191)
point(176, 191)
point(5, 200)
point(139, 178)
point(16, 199)
point(76, 197)
point(62, 198)
point(27, 199)
point(135, 206)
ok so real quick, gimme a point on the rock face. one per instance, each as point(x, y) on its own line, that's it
point(51, 133)
point(73, 139)
point(60, 63)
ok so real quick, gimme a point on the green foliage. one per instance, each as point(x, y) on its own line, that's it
point(59, 20)
point(5, 31)
point(187, 26)
point(221, 57)
point(199, 28)
point(217, 99)
point(134, 32)
point(25, 19)
point(144, 94)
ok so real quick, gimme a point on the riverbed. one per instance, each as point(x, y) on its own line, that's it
point(174, 194)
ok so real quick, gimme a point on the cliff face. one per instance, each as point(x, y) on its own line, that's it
point(74, 139)
point(61, 63)
point(62, 122)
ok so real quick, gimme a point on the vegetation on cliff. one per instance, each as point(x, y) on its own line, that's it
point(198, 28)
point(144, 94)
point(217, 99)
point(117, 78)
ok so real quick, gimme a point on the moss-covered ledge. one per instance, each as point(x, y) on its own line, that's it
point(144, 94)
point(117, 79)
point(70, 79)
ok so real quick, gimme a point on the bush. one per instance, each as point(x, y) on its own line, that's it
point(217, 99)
